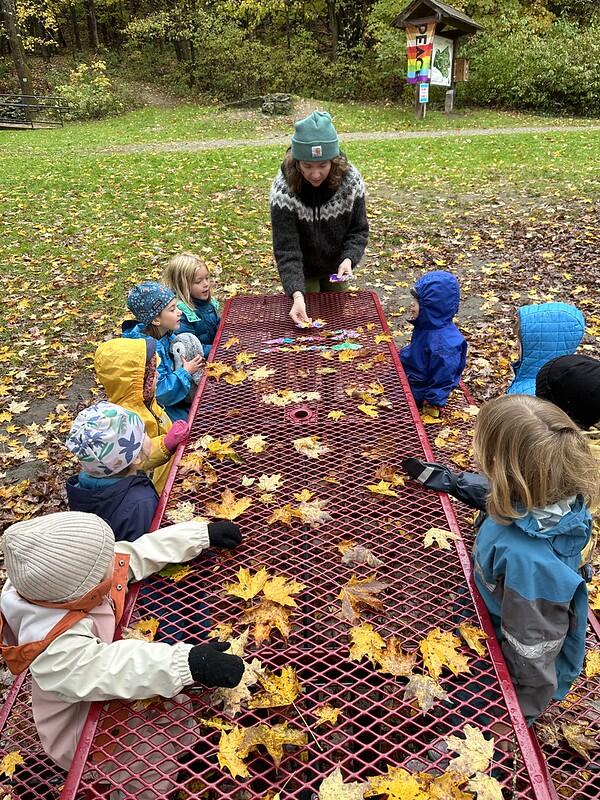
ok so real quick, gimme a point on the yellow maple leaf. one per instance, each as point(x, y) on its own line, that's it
point(440, 536)
point(383, 488)
point(248, 585)
point(346, 544)
point(229, 508)
point(222, 631)
point(310, 446)
point(427, 419)
point(278, 690)
point(440, 650)
point(592, 663)
point(360, 593)
point(369, 410)
point(176, 572)
point(244, 357)
point(272, 738)
point(285, 514)
point(222, 449)
point(473, 636)
point(147, 628)
point(365, 641)
point(382, 337)
point(425, 690)
point(333, 788)
point(280, 590)
point(18, 407)
point(216, 369)
point(336, 415)
point(228, 753)
point(303, 496)
point(332, 480)
point(474, 751)
point(393, 660)
point(10, 762)
point(256, 443)
point(398, 784)
point(327, 714)
point(485, 787)
point(215, 722)
point(388, 473)
point(270, 483)
point(261, 373)
point(235, 377)
point(230, 342)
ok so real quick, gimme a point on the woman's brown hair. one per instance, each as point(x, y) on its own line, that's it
point(533, 454)
point(294, 178)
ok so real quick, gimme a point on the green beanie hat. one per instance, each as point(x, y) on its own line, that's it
point(315, 138)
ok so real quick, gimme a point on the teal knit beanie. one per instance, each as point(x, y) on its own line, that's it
point(315, 138)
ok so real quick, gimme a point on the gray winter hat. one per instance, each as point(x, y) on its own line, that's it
point(59, 557)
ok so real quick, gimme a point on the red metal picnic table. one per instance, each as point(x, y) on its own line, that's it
point(283, 384)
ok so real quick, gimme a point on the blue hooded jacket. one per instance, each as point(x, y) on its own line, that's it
point(527, 574)
point(436, 356)
point(546, 331)
point(126, 504)
point(173, 384)
point(202, 320)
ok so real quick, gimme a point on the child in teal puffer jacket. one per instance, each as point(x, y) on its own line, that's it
point(188, 276)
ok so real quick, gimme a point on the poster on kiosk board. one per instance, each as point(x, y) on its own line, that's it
point(441, 61)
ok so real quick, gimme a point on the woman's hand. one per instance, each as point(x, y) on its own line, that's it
point(298, 310)
point(345, 269)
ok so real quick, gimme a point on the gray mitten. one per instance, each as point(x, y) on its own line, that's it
point(186, 346)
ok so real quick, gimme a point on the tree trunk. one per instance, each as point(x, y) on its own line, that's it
point(334, 27)
point(179, 52)
point(41, 33)
point(16, 47)
point(92, 24)
point(75, 26)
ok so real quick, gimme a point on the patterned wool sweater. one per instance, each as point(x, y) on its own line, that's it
point(316, 229)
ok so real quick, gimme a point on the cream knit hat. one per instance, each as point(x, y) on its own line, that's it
point(59, 557)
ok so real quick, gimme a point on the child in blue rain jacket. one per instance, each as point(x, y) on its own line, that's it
point(157, 317)
point(542, 476)
point(545, 332)
point(188, 276)
point(435, 358)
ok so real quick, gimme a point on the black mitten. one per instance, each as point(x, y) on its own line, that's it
point(224, 534)
point(468, 487)
point(211, 666)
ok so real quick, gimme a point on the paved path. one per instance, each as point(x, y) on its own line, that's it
point(215, 144)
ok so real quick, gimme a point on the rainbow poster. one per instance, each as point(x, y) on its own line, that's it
point(419, 48)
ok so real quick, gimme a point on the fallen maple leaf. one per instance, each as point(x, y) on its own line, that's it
point(327, 715)
point(580, 738)
point(360, 555)
point(360, 593)
point(248, 585)
point(216, 369)
point(280, 590)
point(382, 337)
point(334, 788)
point(222, 631)
point(229, 507)
point(233, 700)
point(394, 661)
point(440, 650)
point(389, 474)
point(265, 617)
point(285, 514)
point(313, 513)
point(272, 738)
point(279, 690)
point(369, 411)
point(270, 483)
point(592, 663)
point(244, 357)
point(346, 544)
point(310, 446)
point(235, 377)
point(365, 641)
point(383, 488)
point(230, 342)
point(261, 373)
point(474, 637)
point(398, 784)
point(304, 496)
point(256, 443)
point(216, 723)
point(425, 690)
point(144, 630)
point(229, 755)
point(484, 787)
point(10, 762)
point(223, 449)
point(427, 419)
point(336, 415)
point(183, 512)
point(440, 536)
point(475, 751)
point(176, 572)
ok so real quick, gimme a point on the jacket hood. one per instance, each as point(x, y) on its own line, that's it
point(573, 384)
point(565, 524)
point(546, 331)
point(120, 365)
point(439, 297)
point(102, 499)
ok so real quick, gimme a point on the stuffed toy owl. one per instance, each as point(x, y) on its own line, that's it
point(186, 346)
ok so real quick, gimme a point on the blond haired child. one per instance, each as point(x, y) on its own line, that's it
point(188, 276)
point(157, 318)
point(527, 553)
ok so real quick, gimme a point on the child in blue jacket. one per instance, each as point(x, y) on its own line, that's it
point(188, 276)
point(157, 317)
point(435, 358)
point(527, 553)
point(545, 331)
